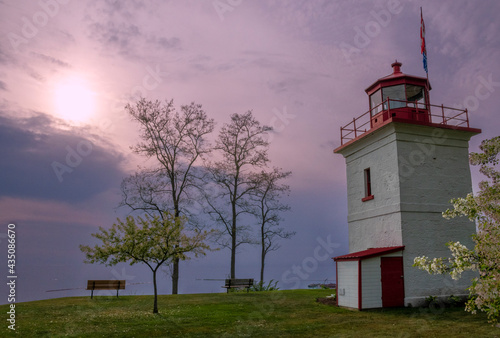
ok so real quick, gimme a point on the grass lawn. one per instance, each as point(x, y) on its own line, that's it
point(256, 314)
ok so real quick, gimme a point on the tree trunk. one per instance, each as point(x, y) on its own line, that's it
point(175, 272)
point(175, 276)
point(262, 268)
point(262, 256)
point(233, 251)
point(155, 306)
point(233, 228)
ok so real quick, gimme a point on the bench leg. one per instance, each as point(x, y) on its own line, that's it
point(92, 294)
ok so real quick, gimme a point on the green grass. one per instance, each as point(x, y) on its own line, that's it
point(256, 314)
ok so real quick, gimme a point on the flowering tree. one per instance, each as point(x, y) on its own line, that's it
point(484, 209)
point(152, 241)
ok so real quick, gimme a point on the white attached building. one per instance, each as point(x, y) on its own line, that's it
point(371, 278)
point(406, 159)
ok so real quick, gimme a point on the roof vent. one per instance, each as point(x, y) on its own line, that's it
point(397, 67)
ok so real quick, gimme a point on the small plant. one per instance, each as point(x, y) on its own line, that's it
point(260, 286)
point(455, 301)
point(451, 301)
point(435, 304)
point(430, 299)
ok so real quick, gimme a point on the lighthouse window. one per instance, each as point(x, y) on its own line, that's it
point(368, 186)
point(415, 93)
point(394, 93)
point(375, 103)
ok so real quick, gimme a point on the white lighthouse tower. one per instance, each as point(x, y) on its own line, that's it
point(405, 159)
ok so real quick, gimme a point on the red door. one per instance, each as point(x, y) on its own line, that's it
point(393, 289)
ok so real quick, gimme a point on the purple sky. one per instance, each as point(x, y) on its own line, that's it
point(301, 66)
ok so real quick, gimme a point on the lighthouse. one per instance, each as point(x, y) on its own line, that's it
point(405, 160)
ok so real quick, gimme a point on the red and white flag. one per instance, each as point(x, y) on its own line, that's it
point(423, 50)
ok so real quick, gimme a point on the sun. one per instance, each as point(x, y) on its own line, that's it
point(74, 101)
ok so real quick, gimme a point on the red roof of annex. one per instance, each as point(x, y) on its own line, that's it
point(371, 252)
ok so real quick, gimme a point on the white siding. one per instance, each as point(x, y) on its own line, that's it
point(371, 281)
point(415, 171)
point(371, 288)
point(347, 283)
point(375, 223)
point(433, 169)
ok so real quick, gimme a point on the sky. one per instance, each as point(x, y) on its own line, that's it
point(68, 68)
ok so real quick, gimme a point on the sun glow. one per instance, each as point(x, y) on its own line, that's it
point(74, 100)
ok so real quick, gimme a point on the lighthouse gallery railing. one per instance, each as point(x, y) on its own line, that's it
point(363, 123)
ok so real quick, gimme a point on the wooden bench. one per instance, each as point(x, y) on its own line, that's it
point(105, 285)
point(238, 283)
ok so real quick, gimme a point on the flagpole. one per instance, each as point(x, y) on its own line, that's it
point(423, 44)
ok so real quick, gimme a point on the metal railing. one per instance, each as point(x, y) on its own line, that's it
point(363, 123)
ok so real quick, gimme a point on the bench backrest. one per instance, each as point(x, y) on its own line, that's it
point(236, 282)
point(106, 284)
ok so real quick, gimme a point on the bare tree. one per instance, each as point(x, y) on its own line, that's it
point(243, 148)
point(177, 141)
point(147, 192)
point(267, 207)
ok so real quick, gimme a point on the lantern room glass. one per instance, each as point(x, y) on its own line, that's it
point(394, 93)
point(402, 95)
point(415, 94)
point(375, 103)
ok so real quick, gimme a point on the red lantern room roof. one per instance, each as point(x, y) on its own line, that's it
point(402, 98)
point(398, 77)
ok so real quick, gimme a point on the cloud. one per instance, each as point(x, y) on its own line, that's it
point(4, 58)
point(51, 60)
point(3, 85)
point(118, 26)
point(119, 36)
point(123, 8)
point(45, 211)
point(284, 85)
point(40, 160)
point(165, 43)
point(33, 73)
point(128, 39)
